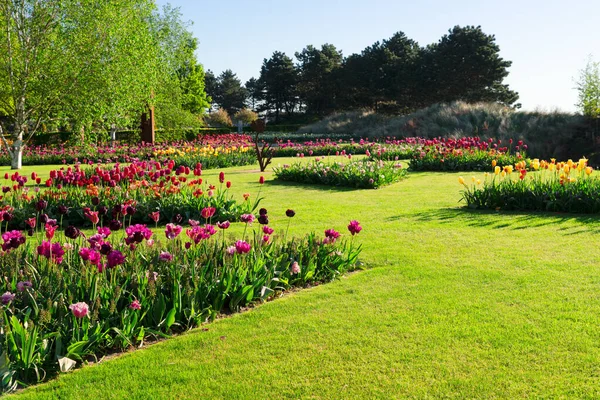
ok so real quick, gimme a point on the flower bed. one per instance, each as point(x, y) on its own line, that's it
point(142, 192)
point(68, 298)
point(557, 187)
point(356, 174)
point(321, 147)
point(446, 154)
point(214, 151)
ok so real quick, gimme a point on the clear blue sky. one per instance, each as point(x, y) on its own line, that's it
point(547, 41)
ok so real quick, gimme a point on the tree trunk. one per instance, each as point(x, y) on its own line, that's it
point(16, 155)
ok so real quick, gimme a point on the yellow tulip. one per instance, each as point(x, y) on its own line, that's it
point(461, 180)
point(497, 170)
point(478, 181)
point(589, 170)
point(493, 163)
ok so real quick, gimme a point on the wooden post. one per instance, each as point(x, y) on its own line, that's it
point(148, 135)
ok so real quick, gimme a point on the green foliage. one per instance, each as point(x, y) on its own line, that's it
point(355, 174)
point(179, 95)
point(588, 88)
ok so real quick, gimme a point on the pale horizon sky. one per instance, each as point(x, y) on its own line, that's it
point(548, 41)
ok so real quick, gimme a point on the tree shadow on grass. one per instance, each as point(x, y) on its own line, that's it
point(514, 220)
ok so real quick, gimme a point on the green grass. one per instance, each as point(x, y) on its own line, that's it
point(455, 304)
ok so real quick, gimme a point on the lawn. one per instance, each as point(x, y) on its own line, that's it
point(453, 304)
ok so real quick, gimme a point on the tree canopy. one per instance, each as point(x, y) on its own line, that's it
point(89, 64)
point(396, 75)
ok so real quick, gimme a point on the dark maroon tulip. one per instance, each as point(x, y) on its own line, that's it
point(72, 232)
point(41, 205)
point(115, 225)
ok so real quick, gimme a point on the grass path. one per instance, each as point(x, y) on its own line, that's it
point(455, 304)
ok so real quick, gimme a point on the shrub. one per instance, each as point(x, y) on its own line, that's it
point(245, 115)
point(355, 174)
point(218, 118)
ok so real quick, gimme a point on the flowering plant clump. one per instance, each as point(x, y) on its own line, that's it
point(357, 174)
point(465, 154)
point(71, 297)
point(539, 186)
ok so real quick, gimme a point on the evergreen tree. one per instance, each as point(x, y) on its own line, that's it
point(466, 65)
point(278, 77)
point(317, 84)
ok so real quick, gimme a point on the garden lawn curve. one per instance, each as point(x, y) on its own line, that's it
point(454, 304)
